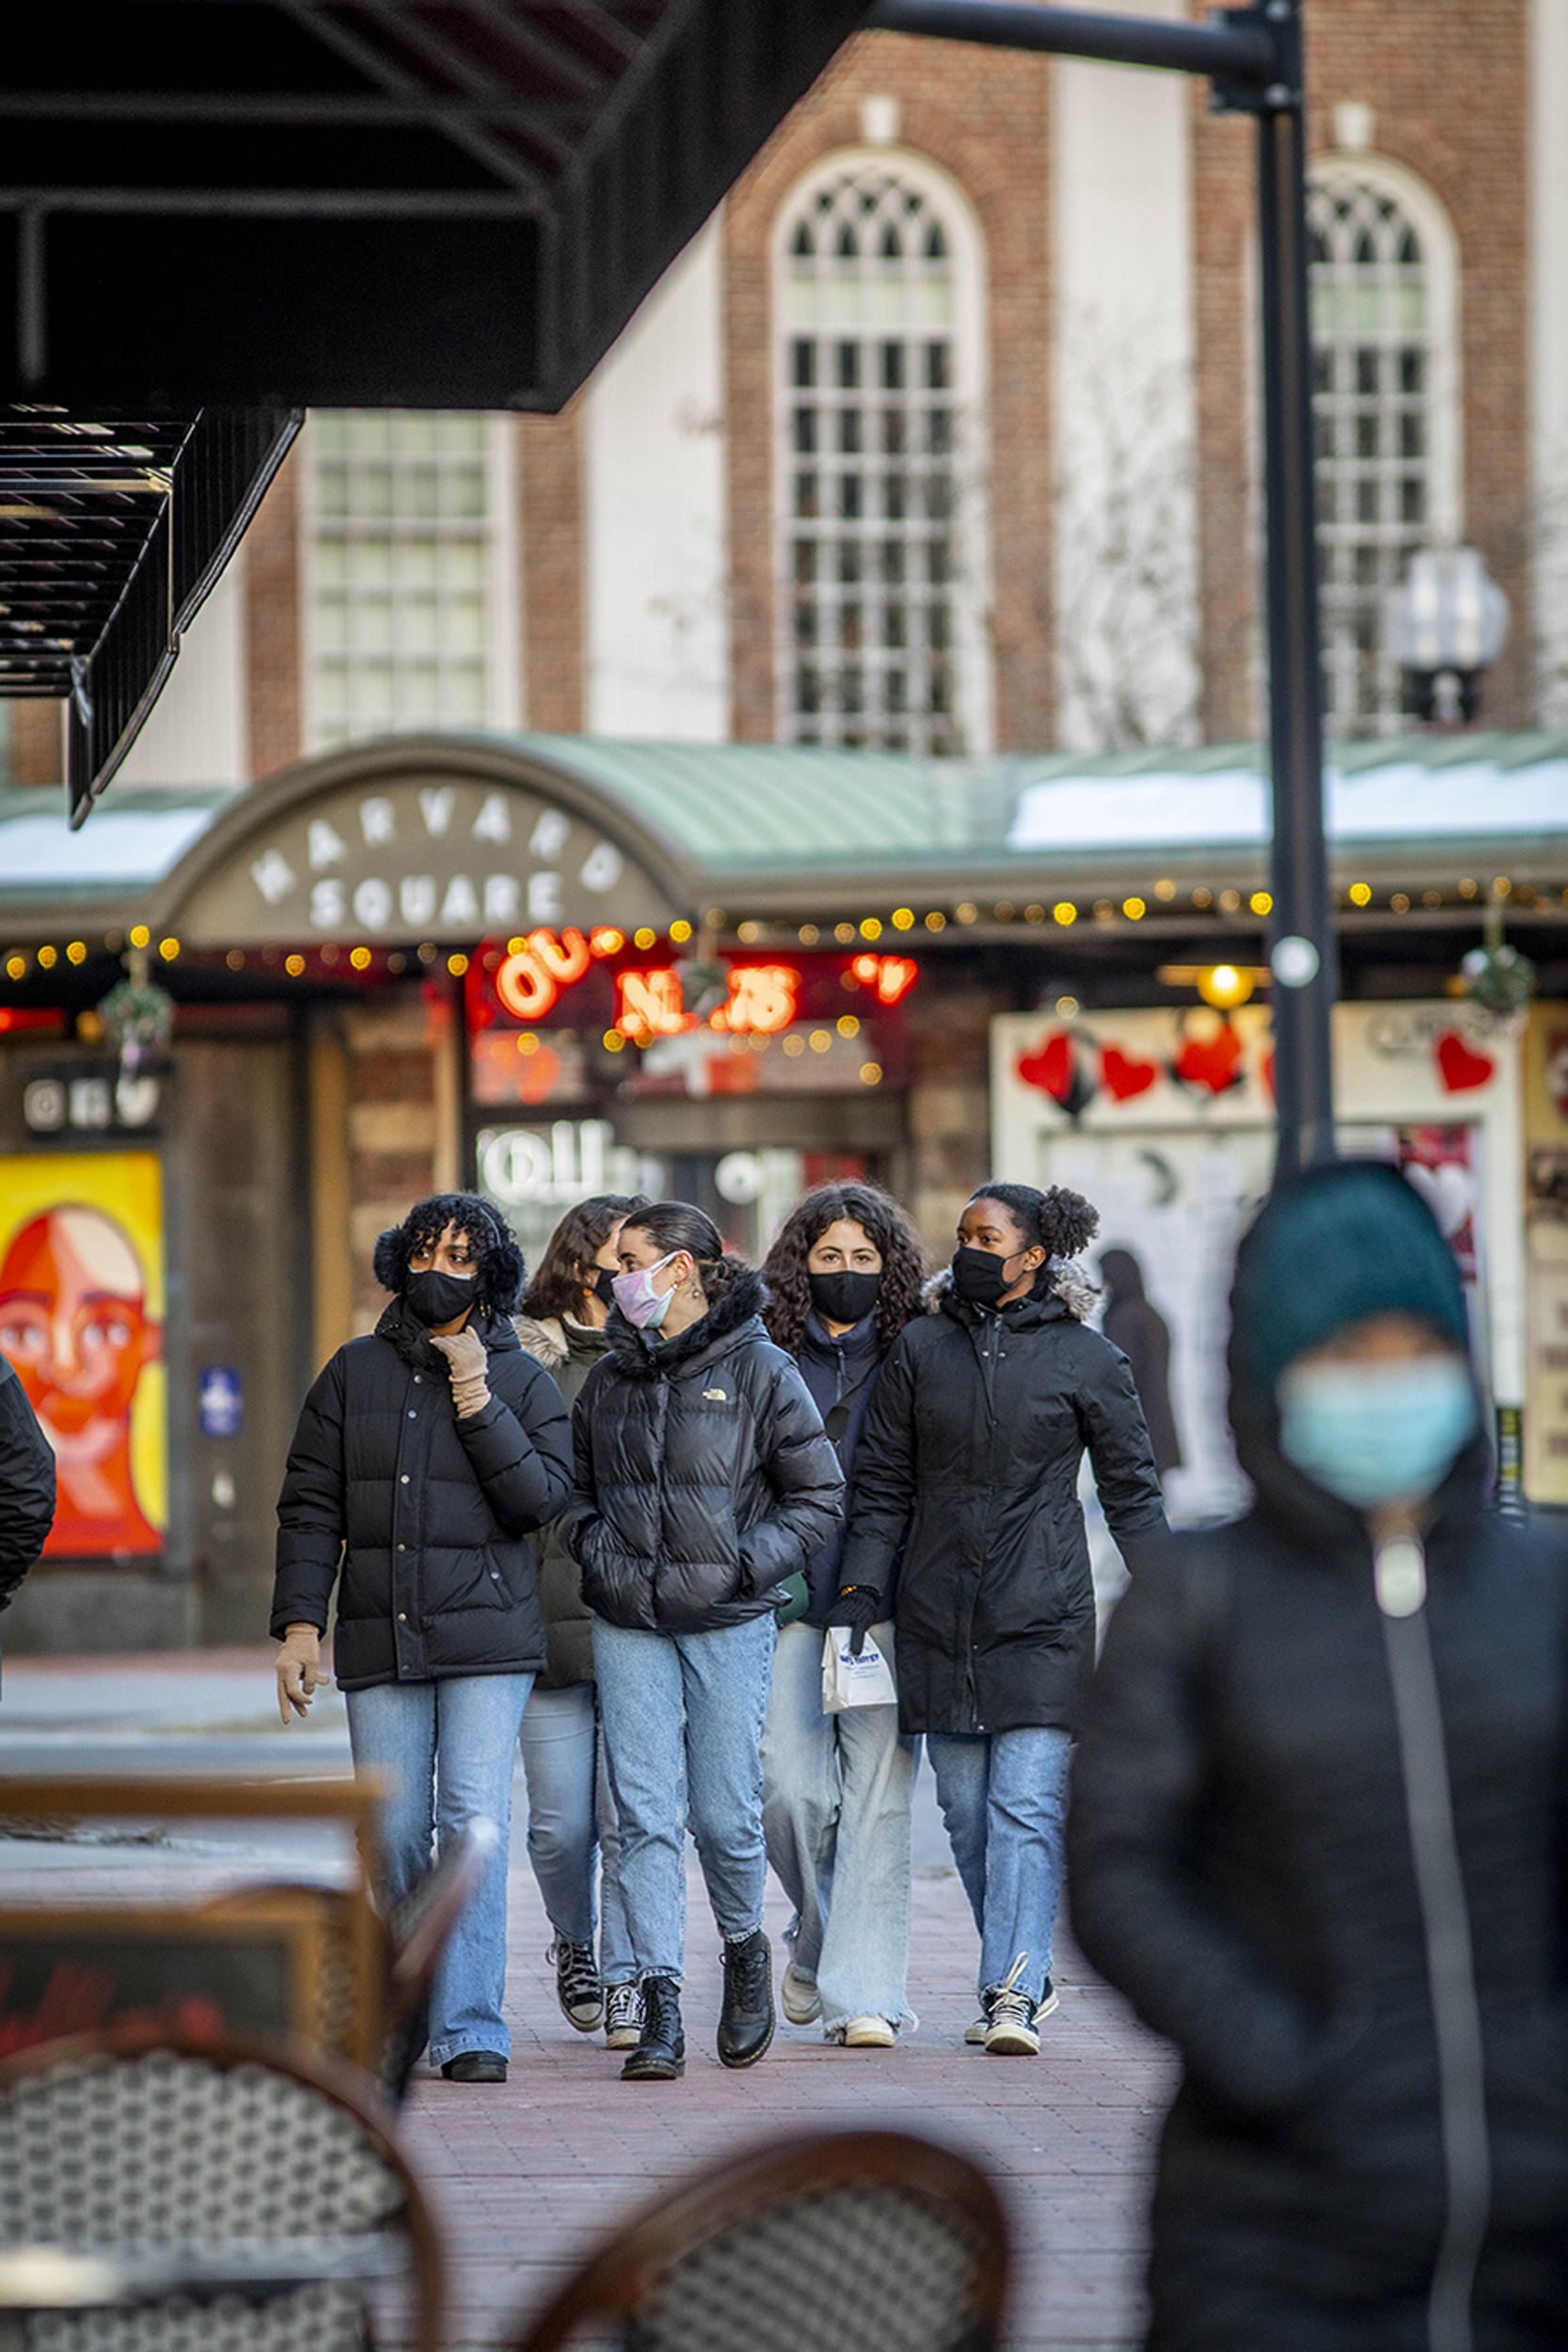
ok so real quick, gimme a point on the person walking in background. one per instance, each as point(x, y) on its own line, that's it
point(1317, 1828)
point(844, 1278)
point(969, 1460)
point(26, 1485)
point(704, 1480)
point(425, 1456)
point(1132, 1323)
point(570, 1820)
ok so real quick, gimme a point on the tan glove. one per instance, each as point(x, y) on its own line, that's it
point(468, 1361)
point(299, 1670)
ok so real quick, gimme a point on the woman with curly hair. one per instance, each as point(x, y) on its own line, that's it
point(425, 1456)
point(967, 1480)
point(843, 1278)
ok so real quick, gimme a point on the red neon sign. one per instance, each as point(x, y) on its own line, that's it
point(890, 976)
point(532, 975)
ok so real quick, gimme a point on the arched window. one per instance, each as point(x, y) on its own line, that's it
point(1386, 347)
point(882, 570)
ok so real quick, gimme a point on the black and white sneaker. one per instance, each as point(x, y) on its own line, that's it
point(623, 2016)
point(576, 1984)
point(976, 2034)
point(1013, 2031)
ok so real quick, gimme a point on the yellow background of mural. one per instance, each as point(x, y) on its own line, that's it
point(128, 1187)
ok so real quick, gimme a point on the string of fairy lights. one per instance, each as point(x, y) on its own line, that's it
point(1164, 898)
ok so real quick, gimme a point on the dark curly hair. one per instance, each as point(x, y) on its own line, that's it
point(1061, 1222)
point(559, 1278)
point(883, 1222)
point(676, 1225)
point(498, 1281)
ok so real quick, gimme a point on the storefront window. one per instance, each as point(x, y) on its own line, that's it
point(404, 573)
point(880, 459)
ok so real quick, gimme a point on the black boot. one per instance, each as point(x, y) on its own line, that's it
point(746, 2020)
point(660, 2055)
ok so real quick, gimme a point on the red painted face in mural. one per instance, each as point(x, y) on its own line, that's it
point(73, 1323)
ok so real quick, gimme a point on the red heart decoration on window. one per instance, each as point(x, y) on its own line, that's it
point(1050, 1067)
point(1123, 1076)
point(1459, 1066)
point(1214, 1062)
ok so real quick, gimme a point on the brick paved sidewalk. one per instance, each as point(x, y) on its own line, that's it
point(529, 2177)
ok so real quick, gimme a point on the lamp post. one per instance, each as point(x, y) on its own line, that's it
point(1253, 57)
point(1445, 624)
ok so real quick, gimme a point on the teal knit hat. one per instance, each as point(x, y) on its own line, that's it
point(1327, 1250)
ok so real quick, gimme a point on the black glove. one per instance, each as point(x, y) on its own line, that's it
point(858, 1609)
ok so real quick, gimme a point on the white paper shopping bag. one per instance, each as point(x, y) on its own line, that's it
point(863, 1681)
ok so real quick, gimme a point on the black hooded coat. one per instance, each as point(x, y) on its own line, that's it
point(430, 1515)
point(704, 1475)
point(969, 1460)
point(1241, 1857)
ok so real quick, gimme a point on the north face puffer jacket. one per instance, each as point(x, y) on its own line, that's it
point(429, 1515)
point(704, 1476)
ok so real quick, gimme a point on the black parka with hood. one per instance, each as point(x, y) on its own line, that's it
point(568, 1351)
point(1262, 1862)
point(429, 1515)
point(704, 1475)
point(970, 1458)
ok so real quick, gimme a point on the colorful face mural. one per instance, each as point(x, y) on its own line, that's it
point(81, 1280)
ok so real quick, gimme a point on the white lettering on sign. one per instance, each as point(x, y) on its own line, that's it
point(602, 868)
point(377, 820)
point(549, 834)
point(461, 904)
point(435, 807)
point(543, 898)
point(327, 845)
point(326, 904)
point(518, 1165)
point(372, 905)
point(90, 1103)
point(502, 895)
point(274, 876)
point(43, 1104)
point(417, 900)
point(494, 822)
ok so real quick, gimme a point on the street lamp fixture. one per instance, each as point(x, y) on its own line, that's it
point(1446, 625)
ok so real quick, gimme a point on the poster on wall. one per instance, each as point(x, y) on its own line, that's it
point(1165, 1119)
point(81, 1321)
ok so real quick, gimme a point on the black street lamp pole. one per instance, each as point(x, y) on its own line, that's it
point(1253, 55)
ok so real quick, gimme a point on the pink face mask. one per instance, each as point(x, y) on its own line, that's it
point(638, 1299)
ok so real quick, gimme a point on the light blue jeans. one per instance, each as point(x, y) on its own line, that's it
point(836, 1813)
point(1004, 1798)
point(682, 1716)
point(447, 1748)
point(571, 1824)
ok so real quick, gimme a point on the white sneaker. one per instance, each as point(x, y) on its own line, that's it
point(1049, 2000)
point(868, 2033)
point(800, 1999)
point(974, 2035)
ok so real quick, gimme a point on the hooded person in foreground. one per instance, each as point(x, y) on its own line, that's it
point(425, 1456)
point(1316, 1829)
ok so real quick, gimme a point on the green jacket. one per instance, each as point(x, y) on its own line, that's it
point(568, 1352)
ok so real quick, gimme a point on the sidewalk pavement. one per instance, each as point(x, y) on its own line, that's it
point(528, 2177)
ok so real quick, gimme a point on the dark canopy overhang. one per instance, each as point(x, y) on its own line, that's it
point(265, 204)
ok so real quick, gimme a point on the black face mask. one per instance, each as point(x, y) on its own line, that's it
point(603, 1286)
point(844, 1297)
point(435, 1298)
point(980, 1277)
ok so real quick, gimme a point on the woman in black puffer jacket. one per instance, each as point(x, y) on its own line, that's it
point(425, 1456)
point(970, 1460)
point(1318, 1829)
point(704, 1480)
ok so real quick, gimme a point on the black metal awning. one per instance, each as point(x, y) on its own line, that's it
point(112, 530)
point(425, 203)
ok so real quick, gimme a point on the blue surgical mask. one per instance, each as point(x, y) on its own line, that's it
point(1377, 1433)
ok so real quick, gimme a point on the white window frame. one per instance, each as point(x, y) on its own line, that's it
point(1444, 462)
point(502, 638)
point(973, 698)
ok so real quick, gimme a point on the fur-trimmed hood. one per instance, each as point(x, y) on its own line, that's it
point(1064, 1280)
point(544, 1337)
point(646, 1356)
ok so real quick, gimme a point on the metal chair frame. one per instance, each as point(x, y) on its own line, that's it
point(614, 2282)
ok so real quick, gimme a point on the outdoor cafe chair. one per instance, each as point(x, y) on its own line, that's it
point(837, 2242)
point(165, 2193)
